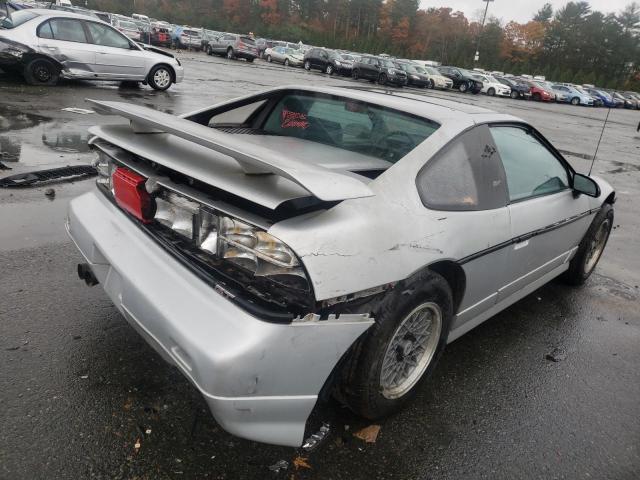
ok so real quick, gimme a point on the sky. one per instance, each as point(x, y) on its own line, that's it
point(518, 10)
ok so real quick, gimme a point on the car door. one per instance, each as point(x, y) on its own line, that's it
point(465, 183)
point(116, 57)
point(65, 40)
point(547, 219)
point(279, 54)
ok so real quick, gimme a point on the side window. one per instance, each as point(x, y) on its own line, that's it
point(44, 30)
point(465, 175)
point(107, 36)
point(68, 30)
point(530, 167)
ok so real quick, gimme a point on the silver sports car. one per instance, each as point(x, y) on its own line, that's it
point(46, 45)
point(310, 241)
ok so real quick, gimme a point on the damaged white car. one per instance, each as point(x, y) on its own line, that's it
point(306, 241)
point(47, 45)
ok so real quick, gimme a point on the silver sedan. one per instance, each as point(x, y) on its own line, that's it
point(46, 45)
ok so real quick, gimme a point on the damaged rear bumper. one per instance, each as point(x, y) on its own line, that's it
point(260, 379)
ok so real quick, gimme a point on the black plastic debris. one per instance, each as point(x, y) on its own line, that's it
point(51, 175)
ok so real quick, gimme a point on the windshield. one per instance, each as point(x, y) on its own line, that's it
point(349, 58)
point(292, 51)
point(387, 63)
point(348, 124)
point(432, 71)
point(17, 18)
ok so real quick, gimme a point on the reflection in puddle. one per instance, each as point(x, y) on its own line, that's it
point(12, 119)
point(63, 141)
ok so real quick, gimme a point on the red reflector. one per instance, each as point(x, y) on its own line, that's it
point(131, 195)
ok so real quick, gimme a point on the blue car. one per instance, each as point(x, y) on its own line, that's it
point(569, 94)
point(606, 99)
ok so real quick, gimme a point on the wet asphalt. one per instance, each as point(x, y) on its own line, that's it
point(548, 389)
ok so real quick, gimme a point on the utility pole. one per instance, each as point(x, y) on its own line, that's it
point(484, 17)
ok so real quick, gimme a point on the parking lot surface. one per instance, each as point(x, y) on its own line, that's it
point(547, 389)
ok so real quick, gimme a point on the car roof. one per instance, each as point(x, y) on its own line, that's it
point(437, 109)
point(46, 12)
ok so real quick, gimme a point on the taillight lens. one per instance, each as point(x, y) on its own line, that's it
point(130, 194)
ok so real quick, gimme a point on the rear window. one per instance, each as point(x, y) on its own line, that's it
point(17, 18)
point(349, 125)
point(248, 40)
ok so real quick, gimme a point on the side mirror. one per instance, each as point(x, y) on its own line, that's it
point(586, 185)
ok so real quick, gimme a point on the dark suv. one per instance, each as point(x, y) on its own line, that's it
point(462, 80)
point(378, 69)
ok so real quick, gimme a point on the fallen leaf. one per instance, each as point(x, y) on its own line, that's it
point(368, 434)
point(300, 462)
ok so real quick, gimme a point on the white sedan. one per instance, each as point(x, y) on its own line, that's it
point(492, 86)
point(47, 45)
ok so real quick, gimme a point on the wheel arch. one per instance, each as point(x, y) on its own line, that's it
point(30, 56)
point(169, 67)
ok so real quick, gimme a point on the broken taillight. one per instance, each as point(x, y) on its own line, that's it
point(131, 195)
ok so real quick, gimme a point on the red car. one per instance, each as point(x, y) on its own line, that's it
point(160, 36)
point(540, 92)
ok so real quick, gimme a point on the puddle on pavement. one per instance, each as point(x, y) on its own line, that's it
point(622, 167)
point(28, 140)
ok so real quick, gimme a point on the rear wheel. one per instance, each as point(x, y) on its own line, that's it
point(536, 97)
point(209, 51)
point(249, 59)
point(400, 350)
point(286, 62)
point(269, 58)
point(432, 84)
point(491, 92)
point(329, 69)
point(575, 101)
point(41, 71)
point(464, 86)
point(514, 94)
point(590, 248)
point(307, 65)
point(355, 74)
point(160, 78)
point(230, 53)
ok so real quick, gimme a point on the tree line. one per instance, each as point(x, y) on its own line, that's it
point(572, 44)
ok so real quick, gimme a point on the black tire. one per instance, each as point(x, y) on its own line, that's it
point(463, 87)
point(432, 84)
point(491, 92)
point(514, 94)
point(355, 74)
point(575, 101)
point(286, 62)
point(580, 267)
point(382, 79)
point(536, 97)
point(209, 51)
point(329, 70)
point(160, 77)
point(307, 65)
point(360, 384)
point(250, 59)
point(269, 58)
point(42, 72)
point(231, 54)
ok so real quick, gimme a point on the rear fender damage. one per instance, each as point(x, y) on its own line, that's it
point(15, 55)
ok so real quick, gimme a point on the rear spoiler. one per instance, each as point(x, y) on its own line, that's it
point(323, 183)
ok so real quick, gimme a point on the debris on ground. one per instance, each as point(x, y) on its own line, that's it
point(81, 111)
point(50, 192)
point(85, 376)
point(556, 355)
point(53, 174)
point(301, 462)
point(148, 431)
point(368, 434)
point(2, 165)
point(316, 439)
point(137, 445)
point(279, 465)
